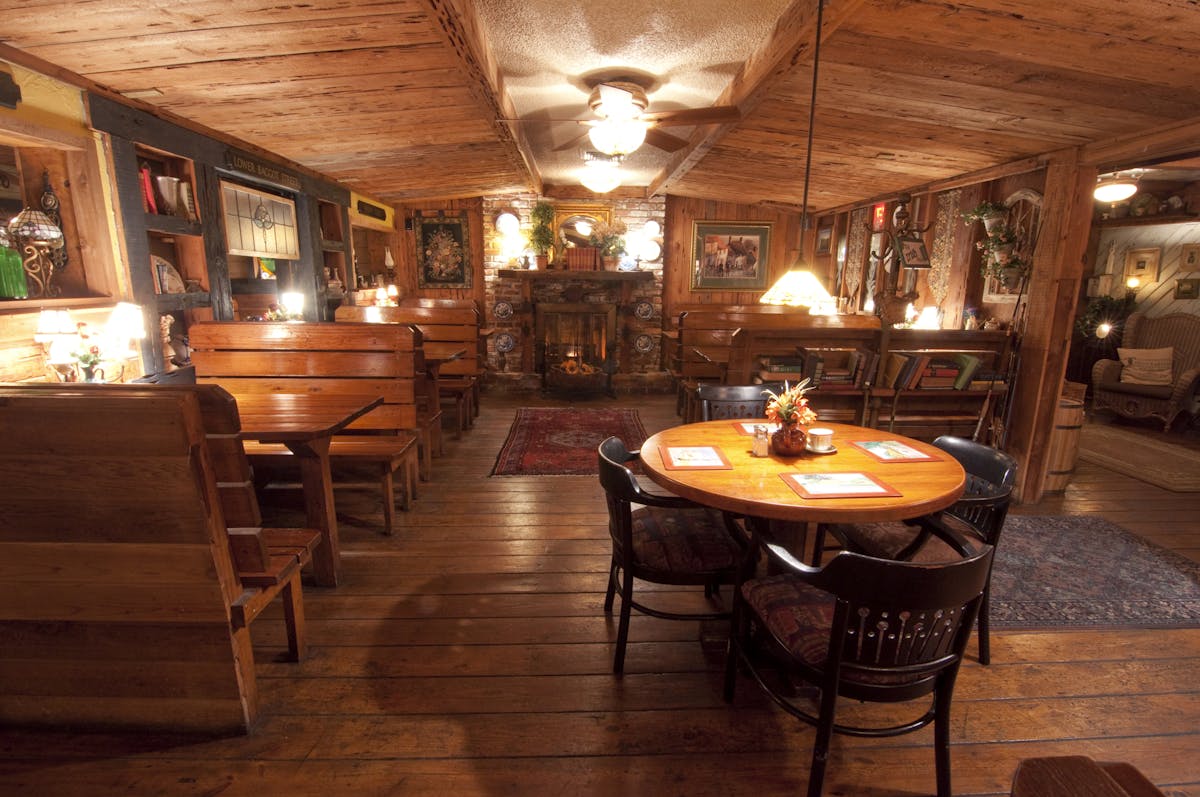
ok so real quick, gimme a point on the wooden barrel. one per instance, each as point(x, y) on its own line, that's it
point(1064, 445)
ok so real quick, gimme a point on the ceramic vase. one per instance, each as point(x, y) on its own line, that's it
point(789, 441)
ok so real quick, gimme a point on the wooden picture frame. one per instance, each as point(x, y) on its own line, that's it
point(730, 255)
point(1187, 289)
point(1189, 258)
point(913, 252)
point(443, 251)
point(824, 240)
point(1143, 264)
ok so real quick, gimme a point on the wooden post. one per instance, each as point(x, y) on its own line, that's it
point(1053, 289)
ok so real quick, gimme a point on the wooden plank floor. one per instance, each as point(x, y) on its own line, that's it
point(468, 655)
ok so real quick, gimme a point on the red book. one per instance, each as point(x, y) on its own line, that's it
point(148, 191)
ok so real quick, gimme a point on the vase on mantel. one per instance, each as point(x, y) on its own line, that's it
point(611, 262)
point(789, 441)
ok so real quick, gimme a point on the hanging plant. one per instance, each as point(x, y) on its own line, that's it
point(1000, 257)
point(984, 211)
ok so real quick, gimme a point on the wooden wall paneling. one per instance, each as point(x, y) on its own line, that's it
point(1053, 291)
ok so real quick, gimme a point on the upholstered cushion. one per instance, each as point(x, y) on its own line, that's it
point(800, 617)
point(683, 540)
point(1153, 391)
point(1146, 366)
point(887, 540)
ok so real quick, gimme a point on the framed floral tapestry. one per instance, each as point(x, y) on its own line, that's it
point(443, 251)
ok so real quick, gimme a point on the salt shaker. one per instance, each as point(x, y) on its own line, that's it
point(762, 443)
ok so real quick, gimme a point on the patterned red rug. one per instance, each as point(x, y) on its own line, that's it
point(551, 441)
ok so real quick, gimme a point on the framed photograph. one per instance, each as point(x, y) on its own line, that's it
point(1189, 257)
point(913, 253)
point(1143, 264)
point(1187, 289)
point(443, 251)
point(824, 240)
point(730, 255)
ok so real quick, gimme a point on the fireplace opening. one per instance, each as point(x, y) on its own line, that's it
point(576, 346)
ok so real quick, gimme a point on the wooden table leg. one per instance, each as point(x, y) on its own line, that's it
point(317, 480)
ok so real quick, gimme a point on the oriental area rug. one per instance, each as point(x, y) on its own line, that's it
point(1083, 572)
point(552, 441)
point(1172, 467)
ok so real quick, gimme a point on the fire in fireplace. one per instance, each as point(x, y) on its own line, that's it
point(576, 346)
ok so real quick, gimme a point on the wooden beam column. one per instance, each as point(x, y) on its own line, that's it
point(1053, 289)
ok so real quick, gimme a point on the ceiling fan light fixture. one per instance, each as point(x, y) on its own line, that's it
point(617, 136)
point(600, 176)
point(1115, 188)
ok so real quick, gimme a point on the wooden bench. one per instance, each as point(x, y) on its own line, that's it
point(268, 560)
point(121, 605)
point(446, 330)
point(357, 359)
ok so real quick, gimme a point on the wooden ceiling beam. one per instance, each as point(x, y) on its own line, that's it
point(1172, 141)
point(460, 28)
point(790, 44)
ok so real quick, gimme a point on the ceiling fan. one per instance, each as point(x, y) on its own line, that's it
point(623, 123)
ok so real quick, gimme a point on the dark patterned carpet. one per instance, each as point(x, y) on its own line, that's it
point(1063, 572)
point(549, 441)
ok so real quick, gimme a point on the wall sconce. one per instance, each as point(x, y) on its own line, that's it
point(507, 223)
point(293, 304)
point(125, 326)
point(37, 236)
point(1133, 283)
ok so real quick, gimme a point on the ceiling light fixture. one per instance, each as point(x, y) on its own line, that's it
point(799, 286)
point(618, 136)
point(600, 174)
point(1115, 188)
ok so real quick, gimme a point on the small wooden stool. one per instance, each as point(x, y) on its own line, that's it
point(1079, 776)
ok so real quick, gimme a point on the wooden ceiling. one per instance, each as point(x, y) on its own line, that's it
point(402, 99)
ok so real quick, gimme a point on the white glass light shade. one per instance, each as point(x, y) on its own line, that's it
point(584, 228)
point(388, 260)
point(1114, 189)
point(507, 223)
point(649, 250)
point(53, 323)
point(600, 176)
point(293, 303)
point(799, 288)
point(1103, 329)
point(125, 325)
point(617, 136)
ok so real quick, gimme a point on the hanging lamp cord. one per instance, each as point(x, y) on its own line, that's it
point(812, 110)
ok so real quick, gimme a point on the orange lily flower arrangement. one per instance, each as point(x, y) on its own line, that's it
point(790, 407)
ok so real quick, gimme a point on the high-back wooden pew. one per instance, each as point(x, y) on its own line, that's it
point(357, 359)
point(120, 603)
point(445, 329)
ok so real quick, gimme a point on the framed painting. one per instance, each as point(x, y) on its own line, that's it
point(1189, 257)
point(730, 255)
point(824, 240)
point(1142, 264)
point(913, 253)
point(1187, 289)
point(443, 251)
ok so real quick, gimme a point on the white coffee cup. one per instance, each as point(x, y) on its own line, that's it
point(820, 439)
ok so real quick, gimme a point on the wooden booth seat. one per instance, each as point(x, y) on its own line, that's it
point(452, 347)
point(351, 359)
point(126, 602)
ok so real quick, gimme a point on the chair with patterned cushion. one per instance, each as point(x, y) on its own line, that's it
point(867, 629)
point(733, 401)
point(1158, 373)
point(978, 515)
point(665, 539)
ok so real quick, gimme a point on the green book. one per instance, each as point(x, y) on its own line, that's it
point(968, 364)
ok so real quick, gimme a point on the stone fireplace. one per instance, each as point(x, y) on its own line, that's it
point(576, 331)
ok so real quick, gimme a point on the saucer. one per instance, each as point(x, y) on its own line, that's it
point(831, 450)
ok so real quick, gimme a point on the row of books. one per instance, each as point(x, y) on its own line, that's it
point(936, 371)
point(829, 367)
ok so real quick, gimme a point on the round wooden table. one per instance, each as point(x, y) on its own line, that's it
point(754, 485)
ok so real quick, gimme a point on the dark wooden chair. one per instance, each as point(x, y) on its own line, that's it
point(733, 401)
point(873, 630)
point(1079, 776)
point(979, 515)
point(666, 540)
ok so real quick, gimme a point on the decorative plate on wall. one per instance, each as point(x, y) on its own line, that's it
point(502, 310)
point(643, 343)
point(505, 343)
point(644, 310)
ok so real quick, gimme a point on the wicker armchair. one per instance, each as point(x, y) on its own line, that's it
point(1180, 331)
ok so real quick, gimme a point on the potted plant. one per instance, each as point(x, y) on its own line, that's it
point(990, 213)
point(606, 236)
point(1000, 257)
point(541, 237)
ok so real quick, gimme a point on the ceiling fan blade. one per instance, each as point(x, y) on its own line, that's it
point(573, 143)
point(664, 141)
point(717, 114)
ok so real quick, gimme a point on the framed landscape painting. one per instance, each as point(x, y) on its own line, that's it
point(730, 255)
point(443, 251)
point(1143, 264)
